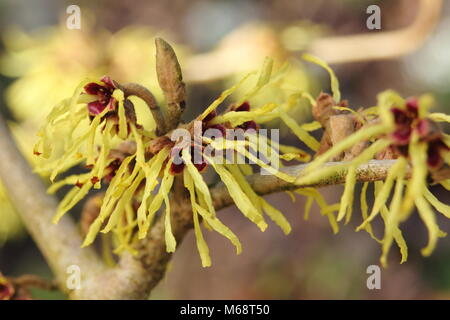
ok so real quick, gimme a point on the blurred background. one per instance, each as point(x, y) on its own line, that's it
point(41, 62)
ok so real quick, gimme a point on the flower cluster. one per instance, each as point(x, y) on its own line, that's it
point(411, 121)
point(140, 168)
point(401, 131)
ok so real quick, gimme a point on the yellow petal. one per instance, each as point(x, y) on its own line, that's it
point(140, 151)
point(439, 117)
point(392, 219)
point(246, 169)
point(428, 217)
point(73, 179)
point(200, 184)
point(202, 247)
point(360, 135)
point(439, 206)
point(236, 118)
point(398, 236)
point(301, 133)
point(312, 126)
point(347, 197)
point(365, 213)
point(325, 209)
point(274, 214)
point(445, 184)
point(308, 204)
point(263, 79)
point(151, 174)
point(386, 187)
point(222, 97)
point(239, 197)
point(122, 203)
point(334, 80)
point(386, 100)
point(418, 181)
point(220, 227)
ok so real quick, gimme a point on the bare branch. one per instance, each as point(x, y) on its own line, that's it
point(384, 45)
point(134, 89)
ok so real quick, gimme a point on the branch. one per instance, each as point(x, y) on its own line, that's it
point(136, 276)
point(241, 50)
point(374, 170)
point(60, 243)
point(134, 89)
point(384, 45)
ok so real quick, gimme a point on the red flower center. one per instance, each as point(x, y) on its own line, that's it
point(406, 122)
point(104, 94)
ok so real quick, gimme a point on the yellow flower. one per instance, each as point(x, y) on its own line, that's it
point(404, 131)
point(139, 168)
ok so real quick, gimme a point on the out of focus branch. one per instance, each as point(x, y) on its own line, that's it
point(381, 45)
point(245, 48)
point(60, 243)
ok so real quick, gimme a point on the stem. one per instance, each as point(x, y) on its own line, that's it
point(134, 89)
point(374, 170)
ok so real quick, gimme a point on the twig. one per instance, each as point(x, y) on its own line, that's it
point(29, 280)
point(134, 89)
point(265, 184)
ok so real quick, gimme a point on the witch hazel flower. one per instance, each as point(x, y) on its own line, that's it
point(141, 171)
point(408, 122)
point(103, 92)
point(138, 168)
point(399, 130)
